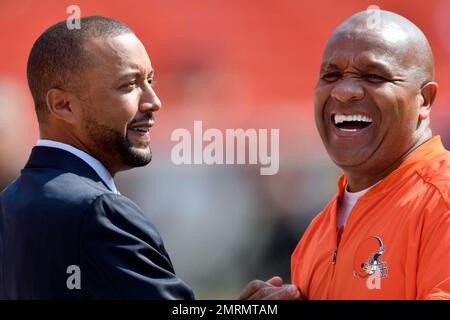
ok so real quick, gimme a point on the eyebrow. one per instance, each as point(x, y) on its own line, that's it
point(327, 65)
point(136, 74)
point(372, 65)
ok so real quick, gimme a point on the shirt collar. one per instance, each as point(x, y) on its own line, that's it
point(352, 197)
point(429, 150)
point(98, 167)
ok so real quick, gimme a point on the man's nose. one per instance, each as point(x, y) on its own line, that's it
point(149, 100)
point(347, 90)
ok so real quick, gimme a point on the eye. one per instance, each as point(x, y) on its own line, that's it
point(151, 81)
point(374, 78)
point(331, 77)
point(130, 85)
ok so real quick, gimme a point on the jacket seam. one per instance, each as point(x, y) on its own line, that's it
point(444, 198)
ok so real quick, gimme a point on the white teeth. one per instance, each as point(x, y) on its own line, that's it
point(339, 118)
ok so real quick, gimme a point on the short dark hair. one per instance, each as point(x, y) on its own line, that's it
point(58, 57)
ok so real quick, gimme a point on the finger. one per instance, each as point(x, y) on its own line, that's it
point(275, 281)
point(288, 292)
point(252, 287)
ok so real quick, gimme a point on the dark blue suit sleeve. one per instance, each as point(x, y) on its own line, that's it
point(123, 256)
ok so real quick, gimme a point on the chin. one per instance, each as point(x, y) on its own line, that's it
point(348, 159)
point(137, 157)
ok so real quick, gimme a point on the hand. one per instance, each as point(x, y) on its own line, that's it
point(272, 289)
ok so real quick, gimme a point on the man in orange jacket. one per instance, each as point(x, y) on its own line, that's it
point(386, 233)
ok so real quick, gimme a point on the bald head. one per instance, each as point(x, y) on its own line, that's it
point(401, 39)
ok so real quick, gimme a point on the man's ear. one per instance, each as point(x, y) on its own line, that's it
point(59, 105)
point(428, 93)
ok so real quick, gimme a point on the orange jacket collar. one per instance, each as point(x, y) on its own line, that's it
point(429, 150)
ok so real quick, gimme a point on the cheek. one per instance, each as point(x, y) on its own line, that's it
point(119, 109)
point(410, 106)
point(407, 109)
point(127, 105)
point(387, 101)
point(399, 111)
point(321, 94)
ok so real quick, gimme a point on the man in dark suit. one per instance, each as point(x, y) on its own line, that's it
point(65, 230)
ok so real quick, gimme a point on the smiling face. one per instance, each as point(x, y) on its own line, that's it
point(118, 103)
point(368, 100)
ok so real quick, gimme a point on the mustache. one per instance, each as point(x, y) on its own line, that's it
point(147, 118)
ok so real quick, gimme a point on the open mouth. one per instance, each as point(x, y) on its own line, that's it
point(141, 133)
point(141, 130)
point(352, 122)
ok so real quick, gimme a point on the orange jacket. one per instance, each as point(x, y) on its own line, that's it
point(396, 242)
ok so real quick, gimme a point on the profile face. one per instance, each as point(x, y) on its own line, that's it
point(366, 102)
point(120, 101)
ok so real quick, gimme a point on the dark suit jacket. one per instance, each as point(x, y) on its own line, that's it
point(58, 214)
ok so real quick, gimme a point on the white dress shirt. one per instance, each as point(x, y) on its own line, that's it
point(98, 167)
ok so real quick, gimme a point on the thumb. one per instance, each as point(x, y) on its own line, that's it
point(275, 281)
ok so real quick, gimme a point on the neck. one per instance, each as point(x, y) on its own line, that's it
point(78, 143)
point(357, 180)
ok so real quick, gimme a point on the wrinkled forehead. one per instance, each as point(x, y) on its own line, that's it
point(387, 49)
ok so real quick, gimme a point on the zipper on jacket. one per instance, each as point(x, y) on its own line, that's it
point(338, 242)
point(335, 252)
